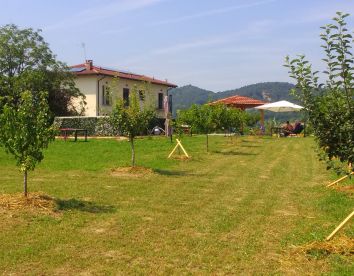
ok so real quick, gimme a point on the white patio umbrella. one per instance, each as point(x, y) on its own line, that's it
point(281, 106)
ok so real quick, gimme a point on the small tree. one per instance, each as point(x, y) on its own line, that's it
point(330, 106)
point(236, 118)
point(131, 120)
point(25, 130)
point(207, 118)
point(221, 117)
point(202, 120)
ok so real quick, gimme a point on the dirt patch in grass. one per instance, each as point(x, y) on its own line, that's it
point(131, 172)
point(37, 202)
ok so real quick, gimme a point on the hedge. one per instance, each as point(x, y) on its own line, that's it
point(96, 126)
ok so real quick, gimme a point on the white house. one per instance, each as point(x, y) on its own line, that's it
point(95, 82)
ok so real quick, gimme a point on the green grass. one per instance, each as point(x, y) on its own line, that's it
point(236, 210)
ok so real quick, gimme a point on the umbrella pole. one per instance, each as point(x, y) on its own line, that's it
point(261, 111)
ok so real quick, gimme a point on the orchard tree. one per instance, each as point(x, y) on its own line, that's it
point(236, 118)
point(202, 120)
point(25, 130)
point(184, 117)
point(221, 117)
point(330, 105)
point(27, 64)
point(207, 118)
point(131, 118)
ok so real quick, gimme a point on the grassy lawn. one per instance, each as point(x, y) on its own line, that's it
point(238, 210)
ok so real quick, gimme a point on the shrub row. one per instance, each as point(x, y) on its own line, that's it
point(96, 126)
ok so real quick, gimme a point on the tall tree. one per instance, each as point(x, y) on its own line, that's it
point(27, 64)
point(330, 105)
point(131, 118)
point(25, 130)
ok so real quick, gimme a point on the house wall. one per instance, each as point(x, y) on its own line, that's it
point(88, 86)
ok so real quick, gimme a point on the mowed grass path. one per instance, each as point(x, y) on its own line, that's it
point(236, 210)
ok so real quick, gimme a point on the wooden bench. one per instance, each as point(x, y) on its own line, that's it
point(66, 131)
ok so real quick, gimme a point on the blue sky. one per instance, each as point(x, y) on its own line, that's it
point(216, 45)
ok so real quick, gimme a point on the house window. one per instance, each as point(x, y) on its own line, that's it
point(141, 95)
point(160, 101)
point(126, 96)
point(106, 95)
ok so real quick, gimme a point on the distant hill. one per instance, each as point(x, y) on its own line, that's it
point(185, 96)
point(267, 91)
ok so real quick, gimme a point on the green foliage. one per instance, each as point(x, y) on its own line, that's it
point(203, 118)
point(96, 126)
point(330, 106)
point(25, 130)
point(251, 118)
point(177, 126)
point(27, 64)
point(208, 118)
point(131, 120)
point(220, 117)
point(184, 97)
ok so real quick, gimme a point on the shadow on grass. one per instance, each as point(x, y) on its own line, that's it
point(172, 173)
point(248, 141)
point(78, 140)
point(250, 146)
point(84, 206)
point(235, 153)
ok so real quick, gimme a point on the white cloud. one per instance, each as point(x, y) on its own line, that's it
point(212, 12)
point(255, 29)
point(101, 12)
point(191, 45)
point(196, 15)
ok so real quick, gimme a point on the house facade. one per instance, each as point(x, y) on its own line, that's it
point(103, 86)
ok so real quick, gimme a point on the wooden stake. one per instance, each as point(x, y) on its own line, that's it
point(174, 149)
point(179, 144)
point(340, 226)
point(339, 180)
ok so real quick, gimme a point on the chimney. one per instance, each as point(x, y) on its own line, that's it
point(88, 64)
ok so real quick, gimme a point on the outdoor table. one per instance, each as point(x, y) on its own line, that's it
point(276, 130)
point(65, 132)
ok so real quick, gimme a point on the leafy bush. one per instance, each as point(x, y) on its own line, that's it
point(330, 106)
point(96, 126)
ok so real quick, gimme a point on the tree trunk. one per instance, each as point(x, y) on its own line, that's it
point(25, 183)
point(133, 151)
point(207, 142)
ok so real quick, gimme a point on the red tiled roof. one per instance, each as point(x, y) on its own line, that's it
point(240, 102)
point(97, 70)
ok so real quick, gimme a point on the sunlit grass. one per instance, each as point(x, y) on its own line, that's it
point(237, 209)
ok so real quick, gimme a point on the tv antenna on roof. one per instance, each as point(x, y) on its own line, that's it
point(83, 45)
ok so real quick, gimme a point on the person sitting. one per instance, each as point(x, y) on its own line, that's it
point(288, 129)
point(298, 128)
